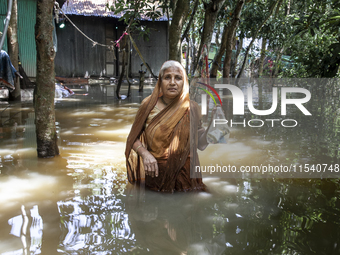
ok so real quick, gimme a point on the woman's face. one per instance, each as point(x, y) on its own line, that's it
point(172, 82)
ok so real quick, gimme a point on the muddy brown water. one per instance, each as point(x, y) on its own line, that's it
point(81, 203)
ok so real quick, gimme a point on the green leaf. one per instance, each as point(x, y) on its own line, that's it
point(333, 25)
point(119, 10)
point(315, 10)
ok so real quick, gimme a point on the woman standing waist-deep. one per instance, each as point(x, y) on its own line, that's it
point(162, 145)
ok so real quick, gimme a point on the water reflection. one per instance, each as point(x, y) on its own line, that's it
point(81, 202)
point(19, 228)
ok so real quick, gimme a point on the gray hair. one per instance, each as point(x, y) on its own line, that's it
point(171, 63)
point(174, 63)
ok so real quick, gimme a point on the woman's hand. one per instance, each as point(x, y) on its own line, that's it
point(149, 161)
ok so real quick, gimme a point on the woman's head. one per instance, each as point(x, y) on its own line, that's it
point(173, 80)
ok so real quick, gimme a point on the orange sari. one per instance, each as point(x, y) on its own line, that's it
point(170, 139)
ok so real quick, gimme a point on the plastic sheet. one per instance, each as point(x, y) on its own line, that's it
point(218, 133)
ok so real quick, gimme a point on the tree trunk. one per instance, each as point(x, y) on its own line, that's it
point(262, 57)
point(187, 55)
point(233, 57)
point(217, 36)
point(231, 35)
point(193, 51)
point(175, 30)
point(238, 51)
point(288, 8)
point(277, 62)
point(271, 10)
point(278, 8)
point(211, 12)
point(186, 31)
point(13, 49)
point(216, 64)
point(228, 55)
point(120, 80)
point(45, 82)
point(128, 69)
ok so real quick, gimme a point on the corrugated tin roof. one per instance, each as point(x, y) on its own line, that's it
point(94, 8)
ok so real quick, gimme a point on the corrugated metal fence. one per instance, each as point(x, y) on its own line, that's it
point(26, 23)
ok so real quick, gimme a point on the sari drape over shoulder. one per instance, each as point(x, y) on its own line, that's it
point(168, 137)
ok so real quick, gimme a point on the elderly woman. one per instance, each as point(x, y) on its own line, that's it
point(162, 145)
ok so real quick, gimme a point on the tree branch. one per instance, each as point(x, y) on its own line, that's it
point(186, 31)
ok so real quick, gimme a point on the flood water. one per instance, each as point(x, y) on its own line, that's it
point(81, 203)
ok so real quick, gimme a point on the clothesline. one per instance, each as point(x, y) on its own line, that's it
point(115, 43)
point(94, 43)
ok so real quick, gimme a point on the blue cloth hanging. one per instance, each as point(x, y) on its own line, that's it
point(7, 70)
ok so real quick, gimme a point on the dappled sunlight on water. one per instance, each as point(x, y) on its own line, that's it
point(81, 202)
point(22, 188)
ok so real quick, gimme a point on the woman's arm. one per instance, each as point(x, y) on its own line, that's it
point(149, 161)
